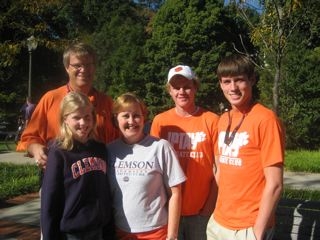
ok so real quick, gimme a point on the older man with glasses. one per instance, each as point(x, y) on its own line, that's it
point(79, 60)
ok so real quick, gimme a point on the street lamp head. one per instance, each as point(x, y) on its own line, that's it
point(32, 43)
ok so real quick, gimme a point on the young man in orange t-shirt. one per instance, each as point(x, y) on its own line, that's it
point(250, 156)
point(192, 131)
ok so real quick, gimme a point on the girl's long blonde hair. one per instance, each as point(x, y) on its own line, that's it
point(72, 102)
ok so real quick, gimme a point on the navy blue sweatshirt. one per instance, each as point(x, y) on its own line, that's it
point(75, 194)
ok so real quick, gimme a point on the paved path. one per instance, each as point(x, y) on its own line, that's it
point(22, 221)
point(15, 157)
point(302, 180)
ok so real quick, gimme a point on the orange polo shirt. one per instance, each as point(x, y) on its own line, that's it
point(44, 123)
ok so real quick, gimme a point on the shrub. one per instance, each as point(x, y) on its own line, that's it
point(16, 179)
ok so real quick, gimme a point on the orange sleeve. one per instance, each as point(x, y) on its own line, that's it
point(36, 129)
point(272, 141)
point(154, 130)
point(43, 125)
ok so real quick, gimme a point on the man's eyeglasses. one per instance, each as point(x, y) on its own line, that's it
point(81, 66)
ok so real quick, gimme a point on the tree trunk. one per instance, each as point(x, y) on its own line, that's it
point(275, 89)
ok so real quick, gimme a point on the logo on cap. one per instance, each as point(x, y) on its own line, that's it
point(178, 69)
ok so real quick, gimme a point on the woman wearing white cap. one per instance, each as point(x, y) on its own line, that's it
point(192, 131)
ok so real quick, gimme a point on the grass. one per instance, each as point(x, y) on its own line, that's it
point(4, 147)
point(17, 180)
point(312, 195)
point(302, 161)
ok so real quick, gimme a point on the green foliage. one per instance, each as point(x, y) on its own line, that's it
point(19, 20)
point(305, 194)
point(16, 180)
point(120, 55)
point(299, 104)
point(302, 161)
point(156, 99)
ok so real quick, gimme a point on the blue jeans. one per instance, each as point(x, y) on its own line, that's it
point(193, 227)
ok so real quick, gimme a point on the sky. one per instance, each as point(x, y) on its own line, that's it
point(250, 3)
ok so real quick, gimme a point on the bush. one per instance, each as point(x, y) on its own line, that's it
point(302, 161)
point(16, 180)
point(305, 194)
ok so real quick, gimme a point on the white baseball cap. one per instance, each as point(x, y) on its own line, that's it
point(182, 70)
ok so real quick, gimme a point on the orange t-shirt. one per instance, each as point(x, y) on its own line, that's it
point(193, 138)
point(44, 123)
point(258, 143)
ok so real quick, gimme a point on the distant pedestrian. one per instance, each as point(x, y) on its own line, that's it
point(25, 115)
point(27, 110)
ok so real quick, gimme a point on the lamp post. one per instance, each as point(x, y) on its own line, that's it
point(32, 45)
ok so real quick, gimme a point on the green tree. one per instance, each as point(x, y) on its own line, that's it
point(271, 36)
point(19, 20)
point(299, 95)
point(120, 40)
point(300, 99)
